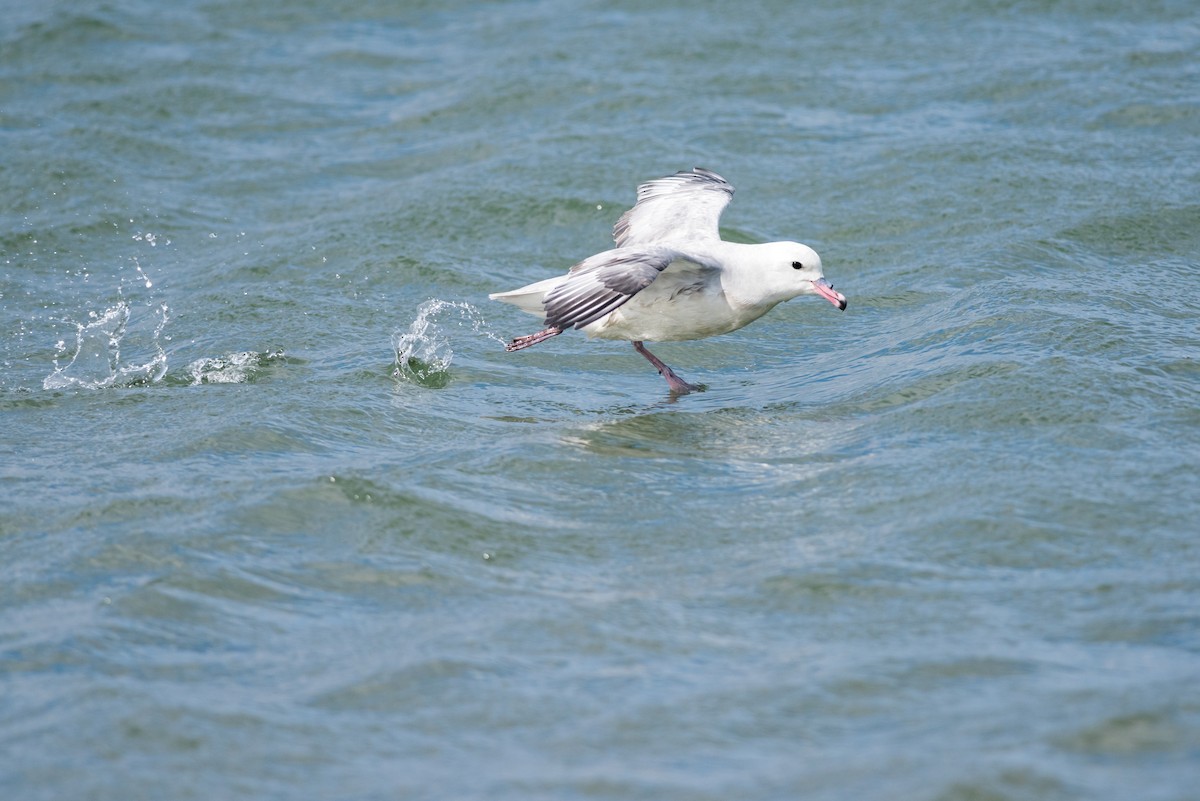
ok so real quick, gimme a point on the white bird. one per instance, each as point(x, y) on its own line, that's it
point(671, 276)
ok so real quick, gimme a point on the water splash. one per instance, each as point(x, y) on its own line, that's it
point(232, 368)
point(423, 352)
point(142, 274)
point(96, 361)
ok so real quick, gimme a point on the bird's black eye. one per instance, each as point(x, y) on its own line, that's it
point(797, 265)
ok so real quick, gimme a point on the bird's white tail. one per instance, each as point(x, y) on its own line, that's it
point(529, 298)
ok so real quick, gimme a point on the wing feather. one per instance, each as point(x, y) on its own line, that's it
point(603, 283)
point(683, 206)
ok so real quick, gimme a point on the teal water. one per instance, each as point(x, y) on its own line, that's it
point(279, 518)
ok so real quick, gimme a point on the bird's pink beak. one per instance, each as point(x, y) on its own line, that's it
point(825, 290)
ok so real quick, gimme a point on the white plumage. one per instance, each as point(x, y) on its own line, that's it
point(671, 277)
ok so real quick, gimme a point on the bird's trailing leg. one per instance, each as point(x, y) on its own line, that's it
point(532, 339)
point(677, 384)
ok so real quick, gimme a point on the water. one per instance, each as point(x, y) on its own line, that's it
point(279, 518)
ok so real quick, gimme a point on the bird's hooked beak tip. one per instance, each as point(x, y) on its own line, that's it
point(826, 290)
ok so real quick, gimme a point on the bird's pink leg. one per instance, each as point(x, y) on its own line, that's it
point(532, 339)
point(677, 384)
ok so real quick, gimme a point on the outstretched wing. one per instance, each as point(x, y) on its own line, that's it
point(686, 205)
point(602, 283)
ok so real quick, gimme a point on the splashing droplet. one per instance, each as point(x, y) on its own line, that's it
point(423, 352)
point(142, 275)
point(96, 361)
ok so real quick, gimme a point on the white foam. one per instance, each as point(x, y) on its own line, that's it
point(232, 368)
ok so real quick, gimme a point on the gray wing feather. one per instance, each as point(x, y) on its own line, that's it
point(602, 283)
point(686, 205)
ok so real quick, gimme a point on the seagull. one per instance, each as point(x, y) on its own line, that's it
point(671, 277)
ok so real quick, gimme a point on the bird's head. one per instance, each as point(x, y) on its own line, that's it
point(798, 267)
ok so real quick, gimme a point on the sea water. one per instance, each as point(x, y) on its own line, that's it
point(279, 517)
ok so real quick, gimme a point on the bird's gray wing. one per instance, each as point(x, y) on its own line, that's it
point(683, 206)
point(603, 283)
